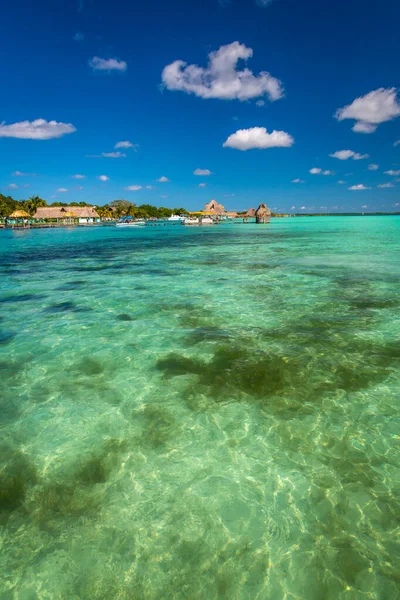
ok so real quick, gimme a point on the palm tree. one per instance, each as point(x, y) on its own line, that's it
point(33, 203)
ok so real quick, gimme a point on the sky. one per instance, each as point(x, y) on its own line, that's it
point(288, 102)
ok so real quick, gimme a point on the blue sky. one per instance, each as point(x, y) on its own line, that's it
point(279, 88)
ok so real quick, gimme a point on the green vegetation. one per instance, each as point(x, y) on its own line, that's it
point(116, 208)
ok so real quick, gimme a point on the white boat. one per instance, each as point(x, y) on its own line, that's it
point(130, 223)
point(191, 221)
point(175, 218)
point(207, 221)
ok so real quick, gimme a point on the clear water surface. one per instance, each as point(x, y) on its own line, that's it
point(201, 413)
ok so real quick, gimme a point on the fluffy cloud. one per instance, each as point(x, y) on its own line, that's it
point(346, 154)
point(202, 172)
point(202, 184)
point(103, 178)
point(393, 173)
point(62, 190)
point(78, 176)
point(297, 181)
point(107, 64)
point(372, 109)
point(364, 206)
point(359, 186)
point(163, 179)
point(221, 79)
point(113, 154)
point(125, 144)
point(373, 167)
point(21, 174)
point(386, 185)
point(342, 182)
point(318, 171)
point(361, 127)
point(149, 187)
point(13, 186)
point(40, 129)
point(133, 188)
point(258, 137)
point(260, 103)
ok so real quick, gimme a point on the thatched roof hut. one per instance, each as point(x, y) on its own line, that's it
point(19, 214)
point(66, 212)
point(214, 208)
point(263, 214)
point(251, 212)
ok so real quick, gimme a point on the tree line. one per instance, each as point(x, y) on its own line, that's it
point(115, 209)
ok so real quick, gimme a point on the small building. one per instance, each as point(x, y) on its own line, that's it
point(67, 215)
point(85, 214)
point(214, 208)
point(263, 214)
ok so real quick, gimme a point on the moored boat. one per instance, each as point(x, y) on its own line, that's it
point(130, 222)
point(175, 218)
point(191, 221)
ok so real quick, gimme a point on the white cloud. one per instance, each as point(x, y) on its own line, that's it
point(221, 79)
point(341, 181)
point(372, 109)
point(21, 174)
point(113, 154)
point(346, 154)
point(202, 184)
point(260, 103)
point(298, 181)
point(125, 144)
point(386, 185)
point(40, 129)
point(364, 206)
point(78, 37)
point(202, 172)
point(13, 186)
point(393, 173)
point(78, 176)
point(149, 187)
point(359, 186)
point(292, 208)
point(258, 137)
point(396, 143)
point(318, 171)
point(163, 196)
point(103, 178)
point(361, 127)
point(163, 179)
point(133, 188)
point(373, 167)
point(302, 208)
point(62, 190)
point(107, 64)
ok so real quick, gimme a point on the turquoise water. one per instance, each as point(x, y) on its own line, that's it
point(201, 413)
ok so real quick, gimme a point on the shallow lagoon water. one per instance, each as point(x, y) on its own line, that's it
point(201, 413)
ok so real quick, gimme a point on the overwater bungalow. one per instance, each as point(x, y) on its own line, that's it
point(67, 215)
point(18, 218)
